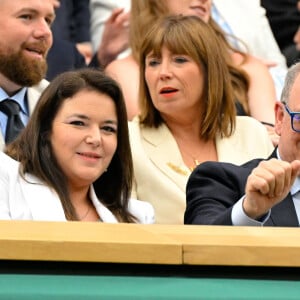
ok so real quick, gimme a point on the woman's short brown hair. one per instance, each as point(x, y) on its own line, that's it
point(190, 36)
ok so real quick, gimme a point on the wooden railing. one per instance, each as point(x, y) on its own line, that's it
point(149, 244)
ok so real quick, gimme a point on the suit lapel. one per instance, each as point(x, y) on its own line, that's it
point(161, 147)
point(43, 202)
point(284, 214)
point(232, 150)
point(33, 94)
point(45, 205)
point(105, 214)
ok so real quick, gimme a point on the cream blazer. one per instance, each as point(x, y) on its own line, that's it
point(30, 199)
point(161, 175)
point(33, 95)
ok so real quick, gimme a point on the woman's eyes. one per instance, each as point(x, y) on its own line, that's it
point(153, 62)
point(109, 129)
point(77, 123)
point(104, 128)
point(180, 59)
point(177, 59)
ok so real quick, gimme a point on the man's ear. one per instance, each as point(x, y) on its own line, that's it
point(279, 115)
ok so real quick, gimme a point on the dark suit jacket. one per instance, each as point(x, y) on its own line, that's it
point(72, 21)
point(213, 188)
point(63, 56)
point(284, 19)
point(70, 26)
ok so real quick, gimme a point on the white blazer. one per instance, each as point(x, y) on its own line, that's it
point(30, 199)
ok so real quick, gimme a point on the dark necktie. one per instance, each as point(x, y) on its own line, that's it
point(14, 123)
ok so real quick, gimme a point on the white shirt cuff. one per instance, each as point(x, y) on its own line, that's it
point(239, 218)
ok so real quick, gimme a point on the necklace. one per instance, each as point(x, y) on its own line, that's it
point(86, 214)
point(196, 162)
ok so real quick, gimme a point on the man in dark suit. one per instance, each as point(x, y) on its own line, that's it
point(260, 192)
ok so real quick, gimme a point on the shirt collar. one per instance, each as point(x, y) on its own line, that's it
point(19, 97)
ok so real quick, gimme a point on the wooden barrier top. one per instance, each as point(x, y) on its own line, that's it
point(235, 245)
point(86, 242)
point(149, 244)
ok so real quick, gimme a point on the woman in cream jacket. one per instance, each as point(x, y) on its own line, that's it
point(187, 114)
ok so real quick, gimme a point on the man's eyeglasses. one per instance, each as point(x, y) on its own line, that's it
point(295, 118)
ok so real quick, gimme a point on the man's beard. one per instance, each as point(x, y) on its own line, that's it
point(22, 70)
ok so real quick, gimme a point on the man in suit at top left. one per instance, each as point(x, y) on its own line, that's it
point(25, 40)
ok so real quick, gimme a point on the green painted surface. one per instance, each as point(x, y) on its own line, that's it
point(44, 287)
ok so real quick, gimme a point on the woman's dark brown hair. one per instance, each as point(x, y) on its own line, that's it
point(33, 148)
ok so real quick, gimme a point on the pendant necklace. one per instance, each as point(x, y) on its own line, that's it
point(196, 163)
point(195, 160)
point(86, 214)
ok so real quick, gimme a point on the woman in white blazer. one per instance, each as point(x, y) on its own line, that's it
point(73, 160)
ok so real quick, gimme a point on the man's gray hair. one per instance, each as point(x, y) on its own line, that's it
point(290, 78)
